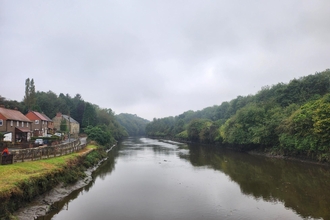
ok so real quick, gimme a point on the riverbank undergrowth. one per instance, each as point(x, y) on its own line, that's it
point(21, 182)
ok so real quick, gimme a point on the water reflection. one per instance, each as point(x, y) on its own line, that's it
point(103, 170)
point(156, 179)
point(300, 186)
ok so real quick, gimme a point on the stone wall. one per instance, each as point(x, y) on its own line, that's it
point(43, 152)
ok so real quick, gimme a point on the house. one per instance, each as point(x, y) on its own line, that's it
point(72, 125)
point(41, 124)
point(50, 124)
point(14, 125)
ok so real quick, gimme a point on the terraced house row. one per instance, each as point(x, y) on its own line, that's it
point(18, 127)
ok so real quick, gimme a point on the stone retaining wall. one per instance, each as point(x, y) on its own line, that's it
point(43, 152)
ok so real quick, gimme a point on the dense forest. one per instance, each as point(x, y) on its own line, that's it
point(287, 119)
point(100, 124)
point(134, 125)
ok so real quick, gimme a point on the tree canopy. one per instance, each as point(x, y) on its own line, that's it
point(289, 119)
point(91, 117)
point(134, 125)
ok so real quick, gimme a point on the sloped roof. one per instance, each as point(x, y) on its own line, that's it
point(71, 119)
point(42, 116)
point(13, 114)
point(48, 119)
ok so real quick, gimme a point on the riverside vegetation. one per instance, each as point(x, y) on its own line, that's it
point(21, 182)
point(284, 119)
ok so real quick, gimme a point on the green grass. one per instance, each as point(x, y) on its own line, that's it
point(91, 146)
point(13, 174)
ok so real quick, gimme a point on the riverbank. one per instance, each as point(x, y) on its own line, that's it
point(20, 183)
point(260, 152)
point(301, 159)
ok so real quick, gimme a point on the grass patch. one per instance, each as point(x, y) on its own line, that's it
point(21, 182)
point(11, 175)
point(92, 146)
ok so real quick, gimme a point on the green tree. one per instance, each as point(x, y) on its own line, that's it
point(307, 130)
point(101, 134)
point(89, 117)
point(242, 127)
point(195, 127)
point(30, 94)
point(2, 100)
point(133, 124)
point(48, 103)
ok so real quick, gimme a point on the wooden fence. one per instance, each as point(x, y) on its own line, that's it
point(43, 152)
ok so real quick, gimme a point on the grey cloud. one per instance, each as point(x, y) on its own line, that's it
point(160, 58)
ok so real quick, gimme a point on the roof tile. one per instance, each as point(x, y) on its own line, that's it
point(13, 114)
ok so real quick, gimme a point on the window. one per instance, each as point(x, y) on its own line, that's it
point(27, 124)
point(17, 123)
point(36, 122)
point(11, 123)
point(1, 122)
point(22, 123)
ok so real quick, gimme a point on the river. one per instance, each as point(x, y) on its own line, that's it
point(155, 179)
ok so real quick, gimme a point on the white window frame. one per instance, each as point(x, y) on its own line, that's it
point(11, 123)
point(17, 123)
point(22, 123)
point(27, 124)
point(36, 122)
point(1, 122)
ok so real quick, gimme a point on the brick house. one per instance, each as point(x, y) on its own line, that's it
point(50, 124)
point(72, 124)
point(41, 124)
point(14, 125)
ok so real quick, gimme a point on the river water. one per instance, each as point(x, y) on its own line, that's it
point(153, 179)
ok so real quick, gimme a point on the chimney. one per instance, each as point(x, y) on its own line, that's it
point(15, 108)
point(58, 114)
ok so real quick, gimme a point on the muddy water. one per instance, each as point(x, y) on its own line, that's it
point(153, 179)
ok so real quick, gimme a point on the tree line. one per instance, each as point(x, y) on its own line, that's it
point(288, 119)
point(133, 124)
point(100, 124)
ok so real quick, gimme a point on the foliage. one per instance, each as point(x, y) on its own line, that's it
point(85, 113)
point(32, 178)
point(89, 116)
point(160, 127)
point(291, 119)
point(182, 135)
point(101, 134)
point(30, 94)
point(107, 117)
point(307, 130)
point(133, 124)
point(195, 129)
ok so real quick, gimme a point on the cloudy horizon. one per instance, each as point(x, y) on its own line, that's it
point(160, 58)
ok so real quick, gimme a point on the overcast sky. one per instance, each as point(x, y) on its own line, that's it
point(160, 58)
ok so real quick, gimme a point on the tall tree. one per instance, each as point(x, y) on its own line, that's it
point(30, 94)
point(27, 92)
point(2, 100)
